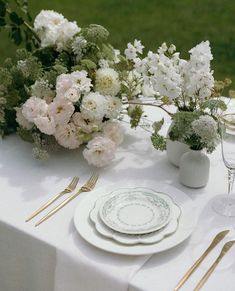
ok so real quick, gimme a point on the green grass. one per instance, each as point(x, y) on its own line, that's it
point(182, 22)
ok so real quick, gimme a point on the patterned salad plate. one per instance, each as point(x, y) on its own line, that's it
point(136, 210)
point(131, 239)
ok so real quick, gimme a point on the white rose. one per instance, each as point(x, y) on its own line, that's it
point(34, 107)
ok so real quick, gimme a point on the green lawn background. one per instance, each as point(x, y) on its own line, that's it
point(182, 22)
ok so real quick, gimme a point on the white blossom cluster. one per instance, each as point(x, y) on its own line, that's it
point(206, 127)
point(54, 29)
point(171, 76)
point(94, 122)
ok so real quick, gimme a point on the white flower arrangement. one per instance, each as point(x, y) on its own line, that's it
point(69, 86)
point(69, 97)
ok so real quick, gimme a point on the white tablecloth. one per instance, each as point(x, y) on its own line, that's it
point(54, 256)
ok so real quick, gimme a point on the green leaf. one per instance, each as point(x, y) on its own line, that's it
point(2, 21)
point(16, 19)
point(157, 125)
point(2, 8)
point(16, 35)
point(158, 141)
point(25, 134)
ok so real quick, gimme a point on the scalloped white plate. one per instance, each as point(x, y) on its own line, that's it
point(128, 239)
point(88, 232)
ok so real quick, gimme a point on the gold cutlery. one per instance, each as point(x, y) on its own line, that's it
point(214, 243)
point(224, 250)
point(88, 186)
point(70, 188)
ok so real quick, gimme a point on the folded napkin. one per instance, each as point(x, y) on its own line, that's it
point(82, 267)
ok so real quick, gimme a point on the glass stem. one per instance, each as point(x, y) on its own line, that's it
point(231, 176)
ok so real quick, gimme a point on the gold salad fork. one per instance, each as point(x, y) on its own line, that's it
point(88, 186)
point(70, 188)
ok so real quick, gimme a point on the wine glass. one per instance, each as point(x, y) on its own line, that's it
point(225, 204)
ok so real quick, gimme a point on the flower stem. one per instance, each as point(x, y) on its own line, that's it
point(150, 104)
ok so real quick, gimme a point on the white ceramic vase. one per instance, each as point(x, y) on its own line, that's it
point(175, 150)
point(194, 169)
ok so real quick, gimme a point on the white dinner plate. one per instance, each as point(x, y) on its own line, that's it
point(136, 210)
point(87, 231)
point(128, 239)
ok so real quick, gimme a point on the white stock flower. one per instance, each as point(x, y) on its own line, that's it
point(85, 122)
point(61, 110)
point(200, 56)
point(107, 81)
point(138, 46)
point(114, 131)
point(21, 120)
point(34, 107)
point(130, 52)
point(114, 107)
point(99, 151)
point(94, 105)
point(199, 84)
point(45, 124)
point(67, 136)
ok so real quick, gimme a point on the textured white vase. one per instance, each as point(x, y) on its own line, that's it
point(175, 150)
point(194, 169)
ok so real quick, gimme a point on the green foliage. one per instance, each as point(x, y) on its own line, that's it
point(25, 134)
point(213, 105)
point(95, 33)
point(158, 141)
point(157, 125)
point(19, 23)
point(135, 115)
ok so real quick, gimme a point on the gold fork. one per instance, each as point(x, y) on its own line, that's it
point(88, 186)
point(70, 188)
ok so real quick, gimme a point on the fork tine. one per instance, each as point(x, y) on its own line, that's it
point(74, 183)
point(93, 180)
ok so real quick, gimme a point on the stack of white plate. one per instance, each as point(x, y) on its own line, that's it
point(135, 220)
point(135, 215)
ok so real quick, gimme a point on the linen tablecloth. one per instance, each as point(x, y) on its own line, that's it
point(54, 256)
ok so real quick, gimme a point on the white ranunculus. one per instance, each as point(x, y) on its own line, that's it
point(71, 86)
point(94, 105)
point(54, 29)
point(21, 120)
point(34, 107)
point(100, 151)
point(85, 122)
point(45, 124)
point(107, 81)
point(114, 131)
point(114, 107)
point(61, 110)
point(67, 136)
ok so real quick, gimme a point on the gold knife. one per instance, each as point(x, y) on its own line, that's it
point(224, 250)
point(214, 243)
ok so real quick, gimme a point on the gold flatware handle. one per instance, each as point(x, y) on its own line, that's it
point(224, 250)
point(71, 187)
point(57, 208)
point(215, 241)
point(44, 206)
point(88, 186)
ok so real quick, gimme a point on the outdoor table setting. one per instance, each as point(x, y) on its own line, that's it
point(130, 186)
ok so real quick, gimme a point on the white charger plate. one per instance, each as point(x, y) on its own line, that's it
point(128, 239)
point(136, 210)
point(87, 231)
